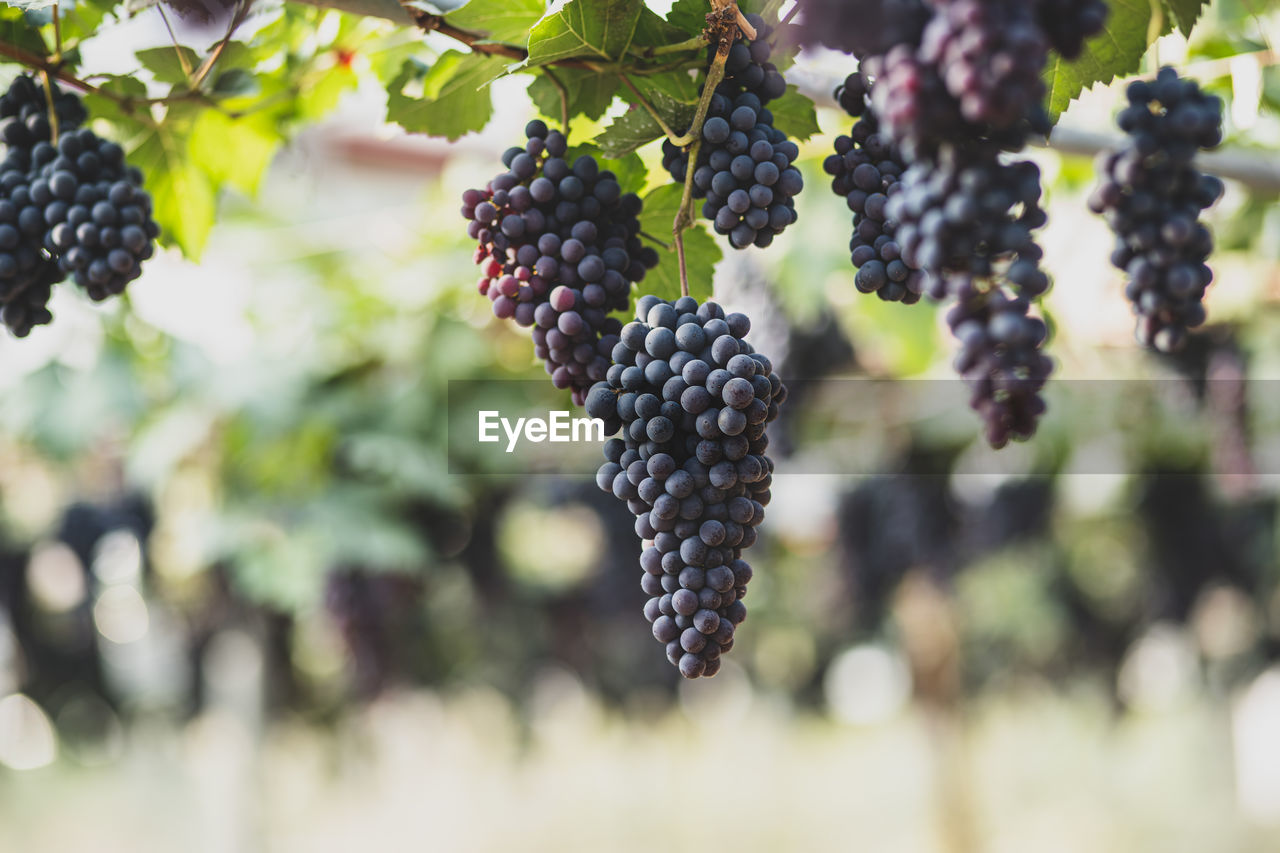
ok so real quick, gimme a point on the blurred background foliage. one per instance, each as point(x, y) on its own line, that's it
point(248, 602)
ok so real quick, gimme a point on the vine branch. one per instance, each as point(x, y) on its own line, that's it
point(477, 42)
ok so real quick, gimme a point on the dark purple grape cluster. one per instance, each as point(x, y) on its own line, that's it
point(70, 206)
point(968, 216)
point(860, 27)
point(692, 400)
point(866, 170)
point(559, 249)
point(990, 55)
point(1068, 24)
point(974, 73)
point(744, 169)
point(1001, 361)
point(1152, 195)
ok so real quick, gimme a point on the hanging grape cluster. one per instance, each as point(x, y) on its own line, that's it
point(953, 94)
point(68, 207)
point(866, 170)
point(692, 400)
point(968, 216)
point(1000, 359)
point(559, 248)
point(744, 168)
point(1152, 196)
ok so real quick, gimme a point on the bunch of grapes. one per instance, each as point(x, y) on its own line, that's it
point(912, 101)
point(692, 400)
point(968, 215)
point(1000, 360)
point(989, 54)
point(1152, 196)
point(70, 206)
point(1068, 24)
point(973, 74)
point(559, 249)
point(744, 169)
point(866, 171)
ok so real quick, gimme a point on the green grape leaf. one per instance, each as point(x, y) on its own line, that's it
point(689, 16)
point(702, 252)
point(596, 29)
point(1186, 13)
point(17, 31)
point(235, 82)
point(232, 151)
point(100, 106)
point(454, 99)
point(653, 31)
point(590, 93)
point(81, 19)
point(182, 194)
point(795, 115)
point(629, 132)
point(166, 63)
point(1115, 52)
point(507, 21)
point(679, 86)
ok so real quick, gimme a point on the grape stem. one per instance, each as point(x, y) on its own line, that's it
point(177, 48)
point(53, 112)
point(564, 98)
point(724, 24)
point(715, 74)
point(1154, 30)
point(652, 239)
point(696, 43)
point(57, 35)
point(684, 217)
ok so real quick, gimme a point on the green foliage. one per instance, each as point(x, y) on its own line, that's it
point(590, 93)
point(581, 28)
point(1119, 49)
point(702, 253)
point(636, 128)
point(689, 16)
point(794, 115)
point(450, 99)
point(509, 21)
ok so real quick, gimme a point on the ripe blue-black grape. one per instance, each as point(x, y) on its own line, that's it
point(559, 249)
point(1151, 195)
point(699, 489)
